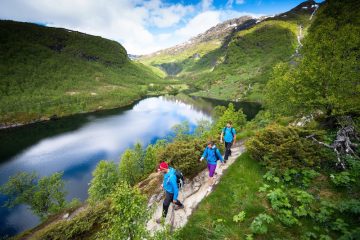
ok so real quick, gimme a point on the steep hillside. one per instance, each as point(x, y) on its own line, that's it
point(51, 71)
point(298, 182)
point(238, 64)
point(197, 54)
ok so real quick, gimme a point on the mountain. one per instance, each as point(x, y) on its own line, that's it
point(180, 59)
point(48, 71)
point(233, 60)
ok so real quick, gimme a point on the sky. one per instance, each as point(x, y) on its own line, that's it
point(142, 27)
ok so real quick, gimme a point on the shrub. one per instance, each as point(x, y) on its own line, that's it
point(105, 176)
point(259, 224)
point(184, 155)
point(44, 195)
point(83, 224)
point(282, 148)
point(127, 216)
point(342, 179)
point(238, 118)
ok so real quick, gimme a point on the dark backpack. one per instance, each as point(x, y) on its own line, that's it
point(216, 155)
point(179, 178)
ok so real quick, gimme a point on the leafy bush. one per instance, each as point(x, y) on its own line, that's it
point(131, 165)
point(238, 119)
point(127, 216)
point(282, 148)
point(239, 217)
point(44, 195)
point(279, 199)
point(135, 164)
point(83, 224)
point(184, 155)
point(299, 177)
point(105, 177)
point(342, 179)
point(259, 224)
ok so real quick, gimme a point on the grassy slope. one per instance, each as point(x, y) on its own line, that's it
point(250, 57)
point(241, 70)
point(237, 191)
point(185, 58)
point(46, 71)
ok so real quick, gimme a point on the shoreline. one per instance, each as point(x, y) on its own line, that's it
point(55, 117)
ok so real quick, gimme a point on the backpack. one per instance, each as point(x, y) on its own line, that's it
point(179, 178)
point(216, 155)
point(231, 130)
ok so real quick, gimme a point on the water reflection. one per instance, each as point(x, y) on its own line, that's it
point(77, 152)
point(76, 144)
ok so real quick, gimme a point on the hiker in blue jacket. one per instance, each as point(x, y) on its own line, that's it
point(211, 154)
point(229, 135)
point(171, 188)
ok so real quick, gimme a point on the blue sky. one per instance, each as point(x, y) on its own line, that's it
point(140, 26)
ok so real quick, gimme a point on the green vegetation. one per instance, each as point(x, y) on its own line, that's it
point(44, 196)
point(326, 78)
point(249, 60)
point(105, 177)
point(185, 62)
point(236, 193)
point(117, 209)
point(290, 183)
point(50, 71)
point(281, 148)
point(239, 66)
point(305, 193)
point(127, 216)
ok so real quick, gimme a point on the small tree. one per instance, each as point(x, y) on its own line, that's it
point(44, 196)
point(128, 215)
point(130, 170)
point(105, 176)
point(150, 159)
point(238, 119)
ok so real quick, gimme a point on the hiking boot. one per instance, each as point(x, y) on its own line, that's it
point(159, 220)
point(209, 189)
point(179, 207)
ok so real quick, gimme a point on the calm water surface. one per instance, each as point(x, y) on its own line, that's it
point(76, 144)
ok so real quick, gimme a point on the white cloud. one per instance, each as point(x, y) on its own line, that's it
point(132, 23)
point(206, 4)
point(162, 15)
point(240, 1)
point(199, 23)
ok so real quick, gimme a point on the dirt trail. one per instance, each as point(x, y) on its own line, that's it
point(191, 195)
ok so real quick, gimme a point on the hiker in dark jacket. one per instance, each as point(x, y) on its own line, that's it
point(211, 154)
point(229, 135)
point(171, 188)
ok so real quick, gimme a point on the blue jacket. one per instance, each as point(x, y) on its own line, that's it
point(170, 184)
point(229, 134)
point(209, 154)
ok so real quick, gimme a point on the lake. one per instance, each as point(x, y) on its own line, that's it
point(77, 143)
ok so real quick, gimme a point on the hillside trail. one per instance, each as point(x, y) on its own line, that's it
point(191, 194)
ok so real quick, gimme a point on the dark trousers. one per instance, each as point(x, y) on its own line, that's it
point(168, 199)
point(227, 150)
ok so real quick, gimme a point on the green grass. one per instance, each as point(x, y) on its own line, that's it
point(241, 70)
point(184, 59)
point(51, 71)
point(250, 57)
point(236, 192)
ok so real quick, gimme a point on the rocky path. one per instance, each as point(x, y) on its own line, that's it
point(191, 195)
